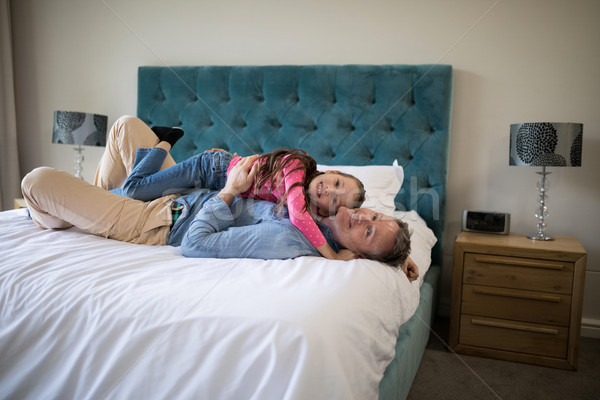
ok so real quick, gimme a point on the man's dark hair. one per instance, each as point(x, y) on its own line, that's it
point(399, 253)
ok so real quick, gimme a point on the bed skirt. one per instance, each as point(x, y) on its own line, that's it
point(412, 340)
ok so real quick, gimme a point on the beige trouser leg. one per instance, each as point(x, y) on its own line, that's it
point(57, 200)
point(126, 136)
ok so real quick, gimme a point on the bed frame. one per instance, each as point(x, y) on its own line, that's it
point(341, 115)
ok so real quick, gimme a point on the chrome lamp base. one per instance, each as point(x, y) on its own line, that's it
point(542, 210)
point(78, 162)
point(543, 236)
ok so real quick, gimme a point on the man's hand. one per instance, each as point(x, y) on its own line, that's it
point(214, 149)
point(410, 269)
point(240, 178)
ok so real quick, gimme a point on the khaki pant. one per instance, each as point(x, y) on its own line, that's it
point(59, 200)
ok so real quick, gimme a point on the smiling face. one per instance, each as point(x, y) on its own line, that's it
point(330, 191)
point(362, 230)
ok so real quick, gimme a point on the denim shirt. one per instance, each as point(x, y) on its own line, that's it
point(249, 228)
point(207, 227)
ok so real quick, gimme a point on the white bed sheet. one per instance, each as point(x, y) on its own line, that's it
point(84, 317)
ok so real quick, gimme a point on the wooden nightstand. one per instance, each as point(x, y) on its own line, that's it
point(517, 299)
point(20, 203)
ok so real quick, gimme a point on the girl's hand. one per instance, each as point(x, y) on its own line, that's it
point(346, 255)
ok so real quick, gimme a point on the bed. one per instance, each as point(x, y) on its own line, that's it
point(91, 318)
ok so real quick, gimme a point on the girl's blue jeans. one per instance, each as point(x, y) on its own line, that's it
point(146, 182)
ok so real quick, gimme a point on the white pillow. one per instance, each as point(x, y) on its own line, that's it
point(381, 182)
point(422, 241)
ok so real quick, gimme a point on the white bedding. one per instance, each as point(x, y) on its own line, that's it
point(82, 317)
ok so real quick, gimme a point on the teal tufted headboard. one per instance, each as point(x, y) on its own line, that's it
point(339, 114)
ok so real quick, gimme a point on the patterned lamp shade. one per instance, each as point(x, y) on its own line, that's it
point(79, 128)
point(546, 144)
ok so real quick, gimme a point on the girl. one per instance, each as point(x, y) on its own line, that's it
point(285, 177)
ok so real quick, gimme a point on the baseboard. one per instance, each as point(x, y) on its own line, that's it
point(590, 328)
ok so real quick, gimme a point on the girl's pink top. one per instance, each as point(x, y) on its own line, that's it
point(295, 200)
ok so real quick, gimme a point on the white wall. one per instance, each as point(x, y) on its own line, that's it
point(515, 61)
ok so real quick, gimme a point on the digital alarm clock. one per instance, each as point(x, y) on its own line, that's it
point(486, 222)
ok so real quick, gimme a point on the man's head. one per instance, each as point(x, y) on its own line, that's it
point(371, 235)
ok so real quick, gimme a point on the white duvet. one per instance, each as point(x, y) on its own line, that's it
point(82, 317)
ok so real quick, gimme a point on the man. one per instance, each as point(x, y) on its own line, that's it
point(211, 224)
point(215, 232)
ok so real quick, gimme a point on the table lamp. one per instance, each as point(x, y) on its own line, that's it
point(80, 129)
point(545, 144)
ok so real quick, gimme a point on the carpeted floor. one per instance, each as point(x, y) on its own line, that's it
point(444, 375)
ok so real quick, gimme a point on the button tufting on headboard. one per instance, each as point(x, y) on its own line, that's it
point(346, 114)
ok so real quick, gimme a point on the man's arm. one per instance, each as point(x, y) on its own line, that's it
point(213, 232)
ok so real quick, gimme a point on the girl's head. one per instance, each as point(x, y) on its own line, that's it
point(325, 192)
point(330, 190)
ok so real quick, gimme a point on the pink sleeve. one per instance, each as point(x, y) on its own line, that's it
point(295, 202)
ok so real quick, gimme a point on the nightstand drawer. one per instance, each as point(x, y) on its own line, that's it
point(537, 339)
point(520, 305)
point(518, 273)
